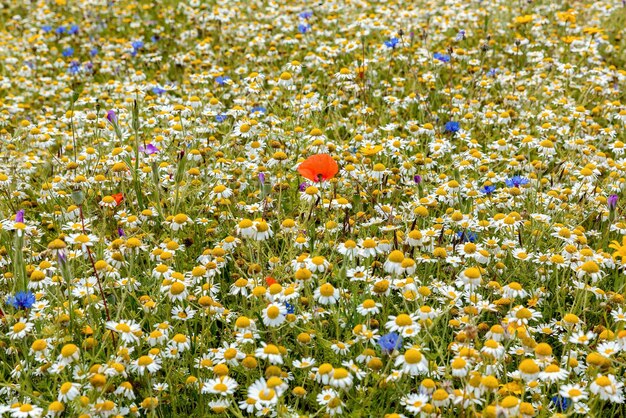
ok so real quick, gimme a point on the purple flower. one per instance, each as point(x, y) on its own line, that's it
point(120, 232)
point(262, 178)
point(111, 116)
point(74, 67)
point(417, 179)
point(303, 186)
point(390, 342)
point(612, 201)
point(19, 216)
point(149, 149)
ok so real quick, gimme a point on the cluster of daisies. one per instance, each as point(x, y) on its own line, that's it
point(257, 208)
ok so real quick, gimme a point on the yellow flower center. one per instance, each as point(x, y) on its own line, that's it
point(144, 361)
point(472, 273)
point(403, 320)
point(19, 327)
point(396, 256)
point(69, 350)
point(271, 349)
point(368, 303)
point(220, 387)
point(122, 328)
point(181, 218)
point(273, 312)
point(412, 356)
point(327, 290)
point(177, 288)
point(267, 394)
point(523, 314)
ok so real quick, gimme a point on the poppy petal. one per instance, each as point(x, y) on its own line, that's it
point(319, 167)
point(308, 173)
point(118, 198)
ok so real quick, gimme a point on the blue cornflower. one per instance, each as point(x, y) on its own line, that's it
point(68, 52)
point(493, 72)
point(460, 36)
point(488, 189)
point(560, 402)
point(516, 181)
point(155, 38)
point(441, 57)
point(391, 43)
point(158, 90)
point(290, 308)
point(390, 342)
point(306, 15)
point(93, 52)
point(46, 28)
point(452, 127)
point(304, 27)
point(22, 300)
point(74, 67)
point(137, 44)
point(259, 109)
point(60, 30)
point(467, 236)
point(222, 79)
point(73, 30)
point(221, 117)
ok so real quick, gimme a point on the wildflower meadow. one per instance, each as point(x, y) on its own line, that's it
point(250, 208)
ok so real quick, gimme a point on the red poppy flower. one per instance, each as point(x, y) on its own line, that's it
point(118, 198)
point(318, 167)
point(270, 281)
